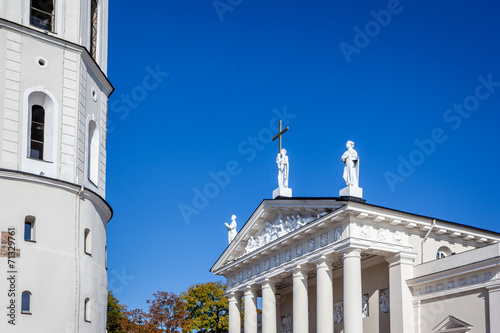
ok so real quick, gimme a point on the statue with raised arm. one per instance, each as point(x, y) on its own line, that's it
point(282, 161)
point(351, 161)
point(231, 229)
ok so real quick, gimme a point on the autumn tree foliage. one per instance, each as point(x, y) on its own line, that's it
point(166, 314)
point(115, 314)
point(207, 308)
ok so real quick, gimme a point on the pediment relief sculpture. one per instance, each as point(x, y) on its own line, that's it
point(282, 226)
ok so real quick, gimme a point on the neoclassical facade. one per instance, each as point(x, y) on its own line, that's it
point(341, 265)
point(53, 122)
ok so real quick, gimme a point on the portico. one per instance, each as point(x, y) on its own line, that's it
point(345, 266)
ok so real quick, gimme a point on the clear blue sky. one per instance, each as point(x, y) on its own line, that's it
point(405, 76)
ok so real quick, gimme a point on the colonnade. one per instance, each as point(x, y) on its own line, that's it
point(352, 298)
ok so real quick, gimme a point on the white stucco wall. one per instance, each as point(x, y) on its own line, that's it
point(54, 268)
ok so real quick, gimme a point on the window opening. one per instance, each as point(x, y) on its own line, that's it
point(26, 302)
point(42, 14)
point(93, 28)
point(29, 228)
point(37, 132)
point(87, 244)
point(87, 310)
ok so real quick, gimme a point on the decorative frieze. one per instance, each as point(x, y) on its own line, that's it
point(299, 250)
point(281, 227)
point(267, 264)
point(337, 234)
point(288, 255)
point(310, 245)
point(324, 240)
point(277, 260)
point(240, 277)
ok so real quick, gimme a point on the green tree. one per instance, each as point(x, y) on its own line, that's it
point(207, 307)
point(115, 314)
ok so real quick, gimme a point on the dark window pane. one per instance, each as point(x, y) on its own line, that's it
point(25, 302)
point(27, 231)
point(36, 150)
point(42, 14)
point(37, 132)
point(38, 114)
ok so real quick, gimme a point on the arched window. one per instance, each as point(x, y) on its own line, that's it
point(42, 14)
point(86, 310)
point(37, 133)
point(26, 302)
point(443, 252)
point(41, 126)
point(93, 153)
point(93, 28)
point(29, 228)
point(87, 242)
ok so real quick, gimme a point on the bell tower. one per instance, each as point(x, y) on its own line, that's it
point(53, 121)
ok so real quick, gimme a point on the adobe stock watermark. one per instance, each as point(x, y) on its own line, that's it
point(363, 37)
point(223, 6)
point(247, 149)
point(130, 101)
point(454, 117)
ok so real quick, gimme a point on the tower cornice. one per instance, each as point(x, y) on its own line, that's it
point(94, 67)
point(61, 184)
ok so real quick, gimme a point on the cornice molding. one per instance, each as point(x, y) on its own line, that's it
point(48, 38)
point(61, 184)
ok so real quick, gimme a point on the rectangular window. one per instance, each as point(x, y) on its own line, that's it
point(93, 28)
point(37, 132)
point(42, 14)
point(26, 302)
point(86, 310)
point(29, 228)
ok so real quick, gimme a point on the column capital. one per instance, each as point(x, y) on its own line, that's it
point(302, 269)
point(267, 282)
point(234, 294)
point(401, 258)
point(250, 289)
point(327, 259)
point(351, 252)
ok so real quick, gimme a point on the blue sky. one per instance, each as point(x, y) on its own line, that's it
point(415, 84)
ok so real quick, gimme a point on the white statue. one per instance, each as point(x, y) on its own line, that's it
point(231, 229)
point(351, 169)
point(282, 161)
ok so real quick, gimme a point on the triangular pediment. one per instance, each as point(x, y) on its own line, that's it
point(272, 220)
point(452, 325)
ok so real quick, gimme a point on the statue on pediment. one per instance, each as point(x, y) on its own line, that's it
point(351, 161)
point(282, 161)
point(231, 229)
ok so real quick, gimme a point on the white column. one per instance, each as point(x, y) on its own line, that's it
point(300, 302)
point(234, 312)
point(278, 312)
point(268, 307)
point(353, 317)
point(324, 297)
point(250, 310)
point(402, 315)
point(494, 307)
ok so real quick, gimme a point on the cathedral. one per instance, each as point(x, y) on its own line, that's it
point(53, 116)
point(340, 264)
